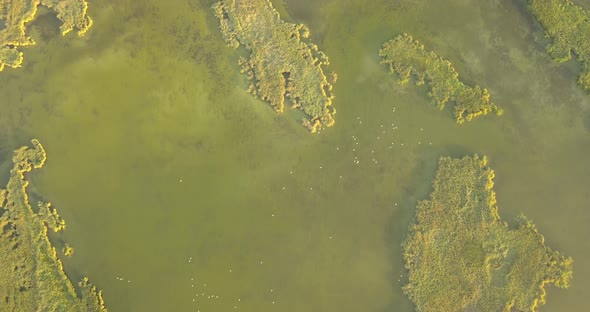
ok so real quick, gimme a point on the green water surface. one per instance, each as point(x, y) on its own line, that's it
point(174, 182)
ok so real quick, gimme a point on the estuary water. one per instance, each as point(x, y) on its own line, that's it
point(181, 192)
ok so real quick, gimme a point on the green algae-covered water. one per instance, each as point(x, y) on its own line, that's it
point(181, 192)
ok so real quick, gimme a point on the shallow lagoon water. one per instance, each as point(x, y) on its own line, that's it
point(265, 211)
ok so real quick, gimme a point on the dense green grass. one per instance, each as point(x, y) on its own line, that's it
point(406, 56)
point(16, 13)
point(31, 275)
point(462, 257)
point(281, 64)
point(568, 26)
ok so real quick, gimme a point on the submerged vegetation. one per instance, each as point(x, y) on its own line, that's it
point(568, 26)
point(31, 275)
point(282, 66)
point(406, 57)
point(462, 257)
point(14, 14)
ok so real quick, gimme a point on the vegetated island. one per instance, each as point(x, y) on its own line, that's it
point(282, 66)
point(14, 14)
point(406, 57)
point(31, 275)
point(568, 26)
point(462, 257)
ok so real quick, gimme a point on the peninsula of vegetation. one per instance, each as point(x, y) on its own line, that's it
point(14, 14)
point(282, 66)
point(462, 257)
point(31, 275)
point(406, 57)
point(568, 26)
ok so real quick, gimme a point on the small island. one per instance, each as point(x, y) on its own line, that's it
point(31, 276)
point(407, 57)
point(14, 14)
point(282, 66)
point(67, 250)
point(568, 26)
point(462, 257)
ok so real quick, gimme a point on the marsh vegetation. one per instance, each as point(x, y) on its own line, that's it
point(15, 14)
point(283, 64)
point(407, 57)
point(31, 276)
point(568, 27)
point(462, 257)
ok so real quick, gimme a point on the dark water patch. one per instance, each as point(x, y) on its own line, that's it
point(523, 11)
point(416, 189)
point(586, 120)
point(45, 25)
